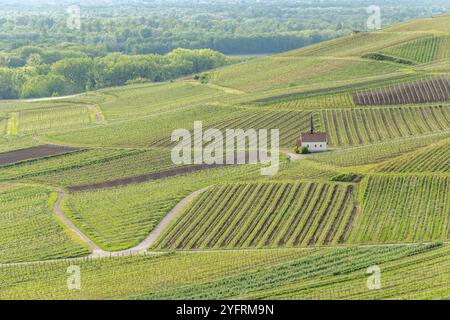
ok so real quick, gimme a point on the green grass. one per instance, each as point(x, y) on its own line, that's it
point(431, 159)
point(264, 215)
point(133, 102)
point(283, 72)
point(264, 274)
point(29, 231)
point(119, 218)
point(55, 119)
point(89, 166)
point(377, 152)
point(398, 209)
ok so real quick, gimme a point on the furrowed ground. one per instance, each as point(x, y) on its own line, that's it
point(412, 272)
point(264, 215)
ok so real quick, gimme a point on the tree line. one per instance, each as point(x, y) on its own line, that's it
point(44, 75)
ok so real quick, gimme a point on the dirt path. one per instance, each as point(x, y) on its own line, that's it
point(150, 240)
point(73, 229)
point(139, 249)
point(295, 156)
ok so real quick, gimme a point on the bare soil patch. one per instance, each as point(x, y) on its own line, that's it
point(44, 151)
point(144, 178)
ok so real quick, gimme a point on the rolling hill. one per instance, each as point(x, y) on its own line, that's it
point(383, 97)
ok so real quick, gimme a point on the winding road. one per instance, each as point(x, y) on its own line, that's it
point(142, 247)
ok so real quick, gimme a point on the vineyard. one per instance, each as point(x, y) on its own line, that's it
point(377, 152)
point(272, 274)
point(118, 218)
point(126, 104)
point(354, 45)
point(265, 215)
point(89, 166)
point(28, 230)
point(435, 89)
point(399, 209)
point(368, 125)
point(89, 180)
point(290, 124)
point(422, 50)
point(288, 72)
point(50, 120)
point(432, 159)
point(332, 101)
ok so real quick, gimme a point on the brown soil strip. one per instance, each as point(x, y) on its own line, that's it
point(33, 153)
point(145, 177)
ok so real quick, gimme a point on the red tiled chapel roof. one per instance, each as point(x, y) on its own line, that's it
point(314, 137)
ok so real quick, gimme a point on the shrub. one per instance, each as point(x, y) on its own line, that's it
point(345, 177)
point(305, 150)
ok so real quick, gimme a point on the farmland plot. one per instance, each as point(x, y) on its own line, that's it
point(400, 209)
point(290, 273)
point(354, 45)
point(119, 218)
point(27, 229)
point(264, 215)
point(424, 275)
point(133, 102)
point(376, 152)
point(435, 89)
point(55, 119)
point(89, 166)
point(285, 72)
point(431, 159)
point(369, 125)
point(290, 124)
point(307, 277)
point(421, 50)
point(332, 101)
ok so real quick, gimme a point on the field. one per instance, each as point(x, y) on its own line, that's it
point(429, 90)
point(264, 215)
point(369, 125)
point(432, 159)
point(403, 209)
point(28, 229)
point(99, 188)
point(118, 218)
point(419, 271)
point(89, 166)
point(255, 76)
point(377, 152)
point(422, 50)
